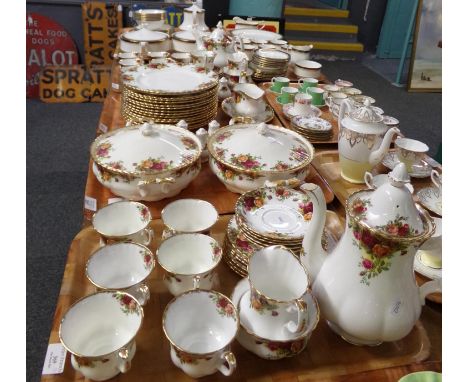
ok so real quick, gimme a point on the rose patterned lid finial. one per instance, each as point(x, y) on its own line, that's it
point(366, 114)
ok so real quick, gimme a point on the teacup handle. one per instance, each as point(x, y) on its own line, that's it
point(124, 363)
point(435, 177)
point(300, 81)
point(301, 306)
point(273, 80)
point(230, 358)
point(368, 178)
point(196, 282)
point(149, 233)
point(145, 292)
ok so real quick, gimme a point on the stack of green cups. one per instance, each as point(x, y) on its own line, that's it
point(305, 83)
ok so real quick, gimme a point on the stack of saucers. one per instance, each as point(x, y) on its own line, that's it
point(264, 217)
point(167, 93)
point(312, 128)
point(269, 63)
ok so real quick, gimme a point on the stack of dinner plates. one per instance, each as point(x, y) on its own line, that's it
point(269, 63)
point(312, 128)
point(264, 217)
point(167, 93)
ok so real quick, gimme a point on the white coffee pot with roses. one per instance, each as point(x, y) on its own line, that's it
point(366, 287)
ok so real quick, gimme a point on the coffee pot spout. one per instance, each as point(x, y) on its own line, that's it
point(313, 255)
point(376, 156)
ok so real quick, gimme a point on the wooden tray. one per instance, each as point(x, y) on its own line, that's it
point(327, 357)
point(278, 108)
point(328, 166)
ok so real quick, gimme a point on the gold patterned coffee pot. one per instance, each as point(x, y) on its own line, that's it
point(363, 140)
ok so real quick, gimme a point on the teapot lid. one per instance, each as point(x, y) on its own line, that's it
point(390, 211)
point(366, 113)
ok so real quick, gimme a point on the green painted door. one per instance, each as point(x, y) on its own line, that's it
point(396, 22)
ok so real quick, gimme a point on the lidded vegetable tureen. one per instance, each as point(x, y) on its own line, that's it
point(146, 162)
point(244, 156)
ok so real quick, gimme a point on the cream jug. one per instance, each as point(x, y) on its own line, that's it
point(363, 140)
point(366, 287)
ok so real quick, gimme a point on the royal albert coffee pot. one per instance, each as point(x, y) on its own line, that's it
point(363, 140)
point(366, 287)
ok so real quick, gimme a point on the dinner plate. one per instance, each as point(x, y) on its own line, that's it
point(256, 34)
point(171, 79)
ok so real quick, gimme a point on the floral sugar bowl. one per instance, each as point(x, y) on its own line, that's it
point(366, 287)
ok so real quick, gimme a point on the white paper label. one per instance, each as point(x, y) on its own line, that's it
point(115, 86)
point(103, 128)
point(90, 203)
point(55, 359)
point(113, 200)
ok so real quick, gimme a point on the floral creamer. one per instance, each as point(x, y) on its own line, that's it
point(366, 287)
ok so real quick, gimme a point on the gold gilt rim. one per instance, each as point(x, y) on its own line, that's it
point(165, 117)
point(183, 39)
point(168, 109)
point(308, 286)
point(176, 102)
point(258, 54)
point(138, 120)
point(428, 223)
point(212, 151)
point(96, 357)
point(164, 316)
point(95, 252)
point(269, 240)
point(163, 39)
point(301, 337)
point(170, 105)
point(168, 112)
point(172, 98)
point(150, 14)
point(183, 165)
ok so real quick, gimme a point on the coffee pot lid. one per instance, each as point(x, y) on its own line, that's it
point(366, 114)
point(390, 210)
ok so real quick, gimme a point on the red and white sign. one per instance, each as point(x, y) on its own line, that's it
point(47, 43)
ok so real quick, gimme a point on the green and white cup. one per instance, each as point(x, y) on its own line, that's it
point(287, 94)
point(317, 96)
point(306, 83)
point(278, 83)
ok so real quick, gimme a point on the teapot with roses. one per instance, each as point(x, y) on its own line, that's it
point(366, 287)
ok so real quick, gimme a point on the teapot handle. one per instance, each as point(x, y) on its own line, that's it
point(434, 286)
point(344, 107)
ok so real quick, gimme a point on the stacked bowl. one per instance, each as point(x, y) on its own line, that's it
point(167, 93)
point(269, 63)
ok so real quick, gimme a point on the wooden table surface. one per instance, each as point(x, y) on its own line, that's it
point(326, 358)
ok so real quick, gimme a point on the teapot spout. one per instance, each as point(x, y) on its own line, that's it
point(313, 255)
point(376, 156)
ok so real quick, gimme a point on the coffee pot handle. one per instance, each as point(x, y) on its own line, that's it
point(344, 107)
point(301, 307)
point(229, 358)
point(434, 286)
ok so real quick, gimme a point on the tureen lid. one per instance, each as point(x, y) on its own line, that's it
point(145, 149)
point(390, 210)
point(170, 78)
point(144, 35)
point(260, 148)
point(366, 114)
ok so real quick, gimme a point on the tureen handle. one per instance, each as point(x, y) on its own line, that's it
point(183, 124)
point(143, 185)
point(434, 286)
point(202, 136)
point(213, 126)
point(147, 129)
point(262, 128)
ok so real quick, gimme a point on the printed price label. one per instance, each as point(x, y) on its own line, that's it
point(115, 86)
point(103, 128)
point(55, 359)
point(90, 203)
